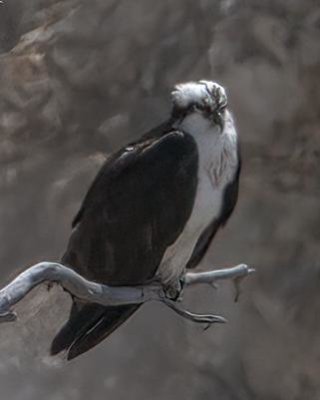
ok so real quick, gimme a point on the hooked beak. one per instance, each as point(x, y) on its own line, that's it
point(218, 119)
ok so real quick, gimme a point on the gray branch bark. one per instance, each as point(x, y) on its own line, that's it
point(106, 295)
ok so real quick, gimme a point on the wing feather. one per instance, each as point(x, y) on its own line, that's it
point(136, 207)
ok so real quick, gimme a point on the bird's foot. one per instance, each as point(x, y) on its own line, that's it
point(174, 290)
point(173, 294)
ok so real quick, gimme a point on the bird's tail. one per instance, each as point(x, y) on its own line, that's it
point(87, 326)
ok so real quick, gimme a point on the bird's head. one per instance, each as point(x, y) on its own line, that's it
point(204, 99)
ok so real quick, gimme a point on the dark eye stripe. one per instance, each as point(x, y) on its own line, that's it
point(203, 107)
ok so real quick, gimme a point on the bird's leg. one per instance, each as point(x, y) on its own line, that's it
point(173, 293)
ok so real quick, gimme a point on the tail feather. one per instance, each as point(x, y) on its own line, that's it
point(110, 321)
point(87, 326)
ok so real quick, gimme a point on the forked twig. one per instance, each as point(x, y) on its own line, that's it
point(106, 295)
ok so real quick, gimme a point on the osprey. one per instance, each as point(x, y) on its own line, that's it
point(153, 209)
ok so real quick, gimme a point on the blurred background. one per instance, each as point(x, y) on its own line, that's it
point(79, 79)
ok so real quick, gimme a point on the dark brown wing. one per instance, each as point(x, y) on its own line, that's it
point(136, 207)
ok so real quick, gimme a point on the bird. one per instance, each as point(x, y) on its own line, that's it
point(153, 209)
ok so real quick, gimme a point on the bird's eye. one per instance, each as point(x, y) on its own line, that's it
point(197, 107)
point(204, 107)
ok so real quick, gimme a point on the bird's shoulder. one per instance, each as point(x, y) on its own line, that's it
point(155, 156)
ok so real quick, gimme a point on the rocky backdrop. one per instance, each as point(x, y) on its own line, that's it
point(78, 79)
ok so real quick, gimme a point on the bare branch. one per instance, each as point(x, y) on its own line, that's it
point(93, 292)
point(211, 277)
point(75, 284)
point(207, 319)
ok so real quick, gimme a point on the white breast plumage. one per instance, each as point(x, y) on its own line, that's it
point(217, 166)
